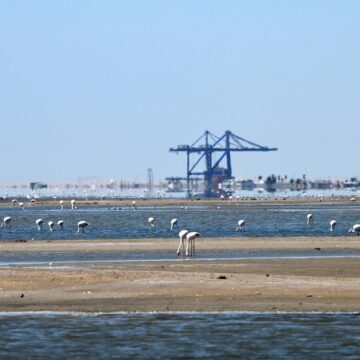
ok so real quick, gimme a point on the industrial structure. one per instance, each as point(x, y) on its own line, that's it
point(150, 180)
point(175, 183)
point(37, 185)
point(205, 147)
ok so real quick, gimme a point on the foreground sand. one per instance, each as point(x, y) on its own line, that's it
point(188, 285)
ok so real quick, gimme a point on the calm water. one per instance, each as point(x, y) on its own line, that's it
point(210, 221)
point(116, 259)
point(186, 335)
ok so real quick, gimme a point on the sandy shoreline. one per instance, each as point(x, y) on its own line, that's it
point(218, 285)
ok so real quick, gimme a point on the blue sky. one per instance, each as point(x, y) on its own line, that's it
point(92, 88)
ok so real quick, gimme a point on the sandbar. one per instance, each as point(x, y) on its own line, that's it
point(310, 284)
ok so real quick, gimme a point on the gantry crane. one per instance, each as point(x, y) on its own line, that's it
point(227, 143)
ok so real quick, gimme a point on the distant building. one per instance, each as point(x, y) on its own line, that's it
point(352, 183)
point(247, 184)
point(321, 184)
point(38, 185)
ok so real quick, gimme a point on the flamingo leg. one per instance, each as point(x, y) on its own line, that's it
point(187, 247)
point(181, 246)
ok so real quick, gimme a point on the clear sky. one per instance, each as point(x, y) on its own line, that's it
point(105, 88)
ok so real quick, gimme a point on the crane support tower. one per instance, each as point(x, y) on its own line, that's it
point(150, 180)
point(205, 146)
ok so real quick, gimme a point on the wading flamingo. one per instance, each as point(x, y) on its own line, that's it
point(73, 202)
point(309, 219)
point(151, 222)
point(190, 237)
point(173, 224)
point(39, 223)
point(51, 225)
point(182, 236)
point(355, 228)
point(61, 223)
point(61, 204)
point(240, 226)
point(82, 225)
point(6, 222)
point(332, 225)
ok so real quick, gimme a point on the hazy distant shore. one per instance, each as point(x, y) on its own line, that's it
point(128, 202)
point(326, 284)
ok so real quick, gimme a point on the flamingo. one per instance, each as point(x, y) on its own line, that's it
point(39, 223)
point(241, 224)
point(182, 236)
point(173, 224)
point(332, 225)
point(190, 237)
point(82, 225)
point(309, 218)
point(6, 222)
point(61, 223)
point(355, 228)
point(21, 204)
point(73, 202)
point(134, 204)
point(151, 222)
point(51, 225)
point(61, 204)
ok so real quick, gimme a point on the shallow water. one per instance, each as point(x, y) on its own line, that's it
point(211, 221)
point(180, 335)
point(61, 258)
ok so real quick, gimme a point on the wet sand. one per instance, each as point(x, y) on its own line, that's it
point(188, 285)
point(302, 243)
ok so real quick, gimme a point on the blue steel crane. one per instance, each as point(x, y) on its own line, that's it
point(227, 143)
